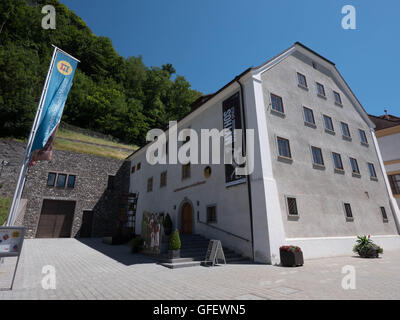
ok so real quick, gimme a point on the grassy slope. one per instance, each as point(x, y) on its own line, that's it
point(5, 204)
point(82, 144)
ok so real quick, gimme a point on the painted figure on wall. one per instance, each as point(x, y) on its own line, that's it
point(151, 229)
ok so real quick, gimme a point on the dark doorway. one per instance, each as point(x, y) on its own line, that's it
point(87, 222)
point(56, 219)
point(187, 219)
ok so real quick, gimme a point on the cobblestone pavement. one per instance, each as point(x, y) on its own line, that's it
point(89, 269)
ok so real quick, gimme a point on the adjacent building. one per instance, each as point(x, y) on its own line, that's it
point(388, 135)
point(74, 195)
point(318, 179)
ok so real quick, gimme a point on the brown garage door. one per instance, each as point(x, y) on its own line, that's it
point(56, 219)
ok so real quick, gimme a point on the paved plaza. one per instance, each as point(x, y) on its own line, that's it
point(89, 269)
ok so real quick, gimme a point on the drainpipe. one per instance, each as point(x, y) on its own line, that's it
point(237, 79)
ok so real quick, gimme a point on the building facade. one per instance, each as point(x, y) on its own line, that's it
point(318, 180)
point(74, 195)
point(388, 135)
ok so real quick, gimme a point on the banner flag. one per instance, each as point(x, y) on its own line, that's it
point(232, 120)
point(60, 83)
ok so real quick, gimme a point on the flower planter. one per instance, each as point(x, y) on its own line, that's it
point(173, 254)
point(366, 248)
point(369, 252)
point(291, 258)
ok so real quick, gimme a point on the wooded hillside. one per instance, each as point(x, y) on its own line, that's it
point(111, 94)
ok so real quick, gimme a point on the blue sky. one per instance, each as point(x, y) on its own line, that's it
point(211, 41)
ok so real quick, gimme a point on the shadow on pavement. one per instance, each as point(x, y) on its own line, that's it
point(120, 253)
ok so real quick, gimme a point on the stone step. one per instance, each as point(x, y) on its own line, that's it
point(193, 250)
point(181, 264)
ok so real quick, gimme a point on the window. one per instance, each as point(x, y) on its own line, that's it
point(71, 181)
point(309, 115)
point(211, 214)
point(150, 184)
point(354, 166)
point(163, 179)
point(284, 147)
point(110, 183)
point(51, 179)
point(372, 171)
point(345, 129)
point(328, 123)
point(384, 215)
point(317, 156)
point(61, 179)
point(337, 161)
point(395, 183)
point(292, 206)
point(320, 89)
point(338, 99)
point(349, 213)
point(138, 166)
point(133, 169)
point(363, 136)
point(277, 103)
point(302, 80)
point(186, 171)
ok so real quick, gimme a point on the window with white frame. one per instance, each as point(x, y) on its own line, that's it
point(284, 147)
point(337, 161)
point(309, 115)
point(338, 99)
point(320, 89)
point(363, 136)
point(328, 123)
point(317, 156)
point(277, 103)
point(371, 169)
point(354, 166)
point(345, 129)
point(302, 79)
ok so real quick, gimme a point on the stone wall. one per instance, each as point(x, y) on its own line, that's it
point(91, 190)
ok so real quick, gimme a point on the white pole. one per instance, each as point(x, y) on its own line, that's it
point(25, 163)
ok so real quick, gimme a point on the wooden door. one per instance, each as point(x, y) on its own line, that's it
point(187, 219)
point(56, 219)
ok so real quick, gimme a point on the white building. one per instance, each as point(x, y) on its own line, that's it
point(318, 178)
point(388, 135)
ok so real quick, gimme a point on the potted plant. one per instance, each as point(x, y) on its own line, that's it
point(174, 245)
point(167, 224)
point(291, 256)
point(136, 244)
point(366, 248)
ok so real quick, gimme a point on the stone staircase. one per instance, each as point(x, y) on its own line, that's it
point(193, 252)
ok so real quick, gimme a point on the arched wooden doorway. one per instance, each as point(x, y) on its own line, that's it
point(187, 218)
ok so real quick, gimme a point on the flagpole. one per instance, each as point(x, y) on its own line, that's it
point(24, 168)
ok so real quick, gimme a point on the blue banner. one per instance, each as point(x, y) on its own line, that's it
point(60, 83)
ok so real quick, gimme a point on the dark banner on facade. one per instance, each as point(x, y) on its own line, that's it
point(232, 120)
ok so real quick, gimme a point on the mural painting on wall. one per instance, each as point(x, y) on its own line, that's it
point(152, 231)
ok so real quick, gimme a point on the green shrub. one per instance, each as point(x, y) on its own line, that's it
point(167, 225)
point(365, 247)
point(174, 241)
